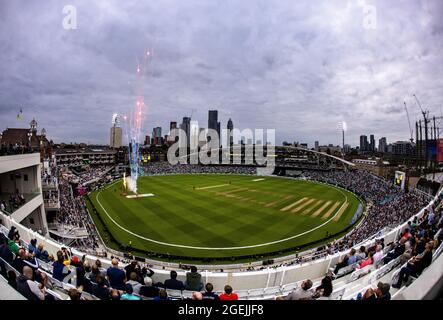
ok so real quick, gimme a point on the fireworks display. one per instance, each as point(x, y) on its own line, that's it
point(134, 124)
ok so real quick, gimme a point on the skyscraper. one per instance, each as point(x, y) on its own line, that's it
point(363, 143)
point(172, 125)
point(230, 137)
point(213, 121)
point(382, 145)
point(372, 143)
point(157, 136)
point(186, 127)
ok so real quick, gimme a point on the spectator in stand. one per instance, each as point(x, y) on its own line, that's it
point(99, 289)
point(380, 293)
point(368, 261)
point(148, 290)
point(398, 250)
point(193, 280)
point(41, 254)
point(12, 279)
point(116, 276)
point(353, 258)
point(129, 293)
point(302, 293)
point(343, 263)
point(134, 282)
point(115, 295)
point(378, 255)
point(74, 294)
point(173, 283)
point(162, 295)
point(32, 247)
point(325, 288)
point(228, 294)
point(209, 294)
point(416, 266)
point(60, 271)
point(361, 255)
point(30, 289)
point(5, 251)
point(197, 296)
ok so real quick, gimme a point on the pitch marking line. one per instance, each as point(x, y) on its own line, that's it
point(308, 210)
point(294, 204)
point(256, 180)
point(323, 207)
point(340, 212)
point(211, 248)
point(307, 203)
point(327, 214)
point(210, 187)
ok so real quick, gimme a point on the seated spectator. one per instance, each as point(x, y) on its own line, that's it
point(197, 296)
point(74, 294)
point(416, 266)
point(398, 250)
point(60, 271)
point(353, 258)
point(380, 293)
point(132, 267)
point(5, 251)
point(341, 264)
point(115, 295)
point(162, 295)
point(173, 283)
point(148, 290)
point(378, 255)
point(116, 276)
point(361, 255)
point(368, 261)
point(134, 282)
point(228, 294)
point(99, 289)
point(28, 288)
point(302, 293)
point(32, 246)
point(208, 294)
point(129, 294)
point(12, 279)
point(193, 280)
point(325, 288)
point(41, 254)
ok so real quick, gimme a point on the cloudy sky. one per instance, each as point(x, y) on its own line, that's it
point(300, 67)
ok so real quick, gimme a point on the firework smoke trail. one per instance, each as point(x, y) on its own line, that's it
point(135, 124)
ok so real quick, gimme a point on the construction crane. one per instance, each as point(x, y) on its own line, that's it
point(409, 123)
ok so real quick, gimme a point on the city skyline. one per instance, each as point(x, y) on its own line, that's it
point(299, 68)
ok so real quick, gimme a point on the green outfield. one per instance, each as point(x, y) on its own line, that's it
point(220, 216)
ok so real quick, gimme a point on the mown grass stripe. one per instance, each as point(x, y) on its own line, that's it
point(320, 210)
point(297, 209)
point(331, 210)
point(340, 212)
point(308, 210)
point(294, 204)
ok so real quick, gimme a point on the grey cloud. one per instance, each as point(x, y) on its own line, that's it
point(299, 67)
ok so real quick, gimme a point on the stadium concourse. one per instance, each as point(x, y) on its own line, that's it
point(384, 256)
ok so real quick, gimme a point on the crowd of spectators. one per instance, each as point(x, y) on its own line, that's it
point(15, 201)
point(164, 167)
point(388, 206)
point(73, 214)
point(12, 149)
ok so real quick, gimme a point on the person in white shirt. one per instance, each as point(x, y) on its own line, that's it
point(378, 256)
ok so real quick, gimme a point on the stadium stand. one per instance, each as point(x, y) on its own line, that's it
point(397, 227)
